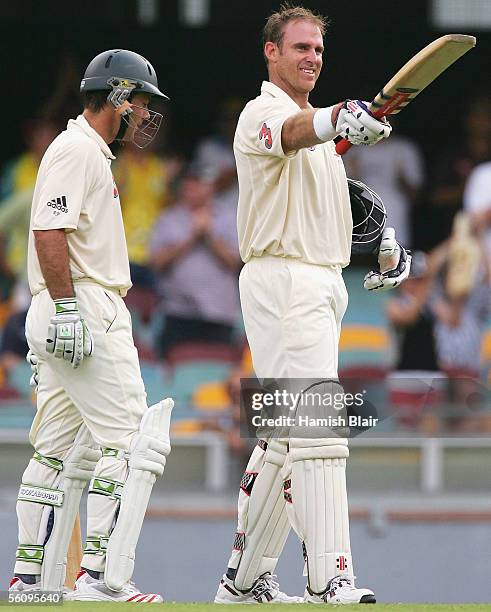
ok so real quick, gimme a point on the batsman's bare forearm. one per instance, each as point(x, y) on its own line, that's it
point(298, 130)
point(52, 252)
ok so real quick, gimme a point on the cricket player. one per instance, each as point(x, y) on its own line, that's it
point(92, 424)
point(295, 232)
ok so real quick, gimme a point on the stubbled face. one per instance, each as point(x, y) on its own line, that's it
point(296, 64)
point(139, 105)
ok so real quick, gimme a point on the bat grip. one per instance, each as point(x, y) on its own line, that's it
point(342, 146)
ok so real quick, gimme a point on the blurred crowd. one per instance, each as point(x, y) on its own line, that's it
point(179, 216)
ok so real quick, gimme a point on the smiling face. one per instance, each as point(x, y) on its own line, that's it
point(295, 64)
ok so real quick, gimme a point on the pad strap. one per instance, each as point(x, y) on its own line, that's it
point(51, 462)
point(41, 495)
point(32, 553)
point(114, 452)
point(96, 546)
point(106, 486)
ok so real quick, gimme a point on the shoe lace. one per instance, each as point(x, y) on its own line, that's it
point(265, 583)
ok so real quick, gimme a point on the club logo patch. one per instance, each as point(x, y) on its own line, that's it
point(115, 190)
point(265, 133)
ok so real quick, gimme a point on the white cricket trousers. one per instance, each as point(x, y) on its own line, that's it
point(106, 391)
point(292, 315)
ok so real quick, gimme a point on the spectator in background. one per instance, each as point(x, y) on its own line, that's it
point(216, 152)
point(195, 256)
point(416, 384)
point(412, 318)
point(395, 170)
point(477, 202)
point(461, 305)
point(143, 178)
point(16, 189)
point(453, 169)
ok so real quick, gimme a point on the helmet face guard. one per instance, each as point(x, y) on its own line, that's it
point(122, 73)
point(138, 125)
point(141, 135)
point(369, 217)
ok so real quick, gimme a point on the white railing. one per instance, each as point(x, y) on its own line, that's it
point(216, 453)
point(432, 454)
point(432, 461)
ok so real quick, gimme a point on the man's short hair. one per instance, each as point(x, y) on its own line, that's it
point(274, 28)
point(94, 100)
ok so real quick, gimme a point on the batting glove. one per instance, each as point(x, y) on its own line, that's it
point(68, 335)
point(394, 263)
point(32, 360)
point(356, 124)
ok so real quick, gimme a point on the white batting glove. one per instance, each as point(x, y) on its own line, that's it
point(32, 360)
point(394, 262)
point(68, 335)
point(356, 124)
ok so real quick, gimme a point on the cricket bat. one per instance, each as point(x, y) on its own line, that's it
point(415, 75)
point(74, 554)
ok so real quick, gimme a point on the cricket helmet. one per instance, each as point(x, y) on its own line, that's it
point(369, 217)
point(123, 65)
point(122, 73)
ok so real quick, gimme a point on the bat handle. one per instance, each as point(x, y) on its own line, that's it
point(342, 146)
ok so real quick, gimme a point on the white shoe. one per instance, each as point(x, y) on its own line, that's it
point(341, 590)
point(93, 589)
point(18, 586)
point(265, 590)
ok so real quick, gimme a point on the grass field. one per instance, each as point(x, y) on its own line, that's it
point(208, 607)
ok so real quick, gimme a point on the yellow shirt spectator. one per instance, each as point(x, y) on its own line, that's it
point(143, 184)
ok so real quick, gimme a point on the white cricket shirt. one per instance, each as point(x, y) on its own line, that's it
point(294, 205)
point(75, 191)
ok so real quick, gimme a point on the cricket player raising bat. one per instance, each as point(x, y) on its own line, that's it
point(92, 425)
point(295, 228)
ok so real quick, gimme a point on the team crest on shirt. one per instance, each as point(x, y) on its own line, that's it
point(115, 190)
point(265, 133)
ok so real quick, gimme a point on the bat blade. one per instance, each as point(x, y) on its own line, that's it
point(416, 75)
point(74, 554)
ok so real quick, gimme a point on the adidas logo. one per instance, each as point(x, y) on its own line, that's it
point(59, 204)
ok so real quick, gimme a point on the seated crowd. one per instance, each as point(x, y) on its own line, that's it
point(429, 340)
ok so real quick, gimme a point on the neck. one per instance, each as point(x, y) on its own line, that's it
point(300, 98)
point(100, 123)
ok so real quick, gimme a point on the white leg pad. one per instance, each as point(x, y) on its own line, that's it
point(48, 502)
point(319, 507)
point(103, 502)
point(147, 456)
point(78, 467)
point(38, 494)
point(263, 525)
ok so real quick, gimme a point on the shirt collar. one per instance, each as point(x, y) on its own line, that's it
point(81, 123)
point(277, 92)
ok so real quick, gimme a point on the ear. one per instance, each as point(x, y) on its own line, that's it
point(271, 51)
